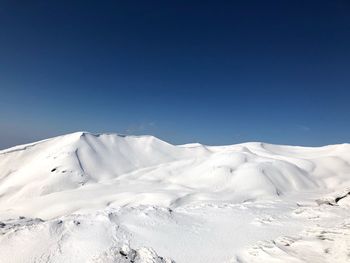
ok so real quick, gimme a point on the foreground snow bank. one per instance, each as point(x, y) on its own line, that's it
point(321, 243)
point(76, 238)
point(126, 254)
point(318, 244)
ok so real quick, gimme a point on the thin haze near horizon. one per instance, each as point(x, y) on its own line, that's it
point(215, 72)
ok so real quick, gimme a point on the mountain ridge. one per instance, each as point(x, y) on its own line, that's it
point(129, 170)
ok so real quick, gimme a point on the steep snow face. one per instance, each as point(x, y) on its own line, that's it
point(79, 159)
point(85, 171)
point(85, 158)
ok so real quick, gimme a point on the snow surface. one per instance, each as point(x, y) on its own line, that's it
point(113, 198)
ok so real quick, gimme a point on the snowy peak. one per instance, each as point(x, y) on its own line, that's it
point(105, 169)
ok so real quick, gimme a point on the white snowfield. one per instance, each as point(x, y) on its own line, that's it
point(112, 198)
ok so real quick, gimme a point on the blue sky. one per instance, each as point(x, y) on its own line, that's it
point(215, 72)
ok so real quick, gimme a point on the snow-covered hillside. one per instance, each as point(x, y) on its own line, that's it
point(112, 198)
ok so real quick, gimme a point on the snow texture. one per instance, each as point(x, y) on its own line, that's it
point(83, 197)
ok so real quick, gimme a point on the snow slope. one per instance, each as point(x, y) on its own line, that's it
point(116, 198)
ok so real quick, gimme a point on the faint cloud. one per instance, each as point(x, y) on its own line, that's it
point(303, 128)
point(140, 127)
point(13, 134)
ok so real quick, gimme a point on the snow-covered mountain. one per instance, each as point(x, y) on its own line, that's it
point(101, 198)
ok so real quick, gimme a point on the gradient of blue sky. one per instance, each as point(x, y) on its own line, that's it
point(217, 72)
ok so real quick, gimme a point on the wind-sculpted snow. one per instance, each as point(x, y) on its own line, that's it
point(326, 244)
point(112, 198)
point(82, 170)
point(70, 239)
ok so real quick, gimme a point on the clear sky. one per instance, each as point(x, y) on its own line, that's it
point(215, 72)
